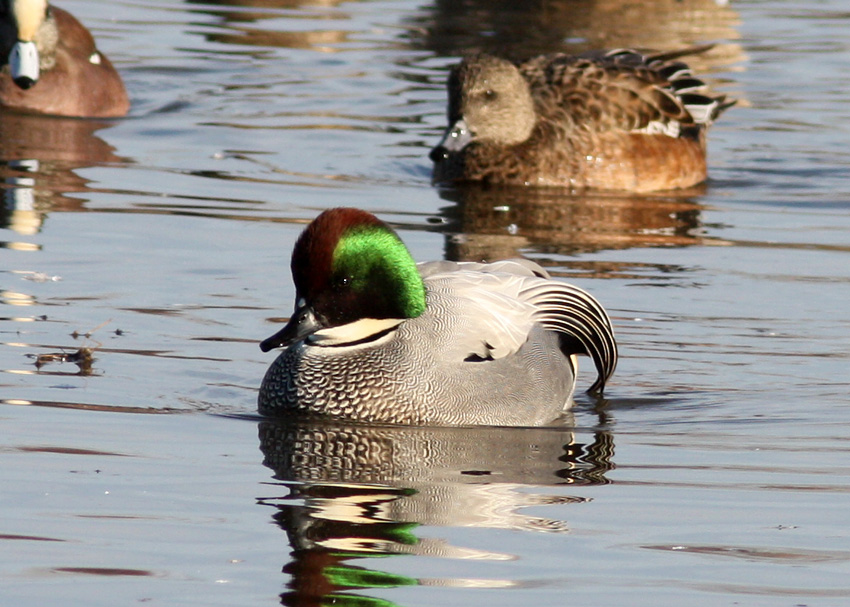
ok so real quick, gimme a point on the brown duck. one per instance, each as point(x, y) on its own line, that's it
point(615, 120)
point(50, 64)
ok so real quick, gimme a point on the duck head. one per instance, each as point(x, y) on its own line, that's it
point(24, 58)
point(489, 101)
point(354, 279)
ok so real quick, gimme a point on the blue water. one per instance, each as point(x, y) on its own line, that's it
point(716, 473)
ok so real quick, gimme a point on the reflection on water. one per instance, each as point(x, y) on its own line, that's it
point(489, 223)
point(39, 157)
point(361, 491)
point(523, 29)
point(243, 25)
point(451, 28)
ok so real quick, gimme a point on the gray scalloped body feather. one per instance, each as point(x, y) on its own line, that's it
point(487, 350)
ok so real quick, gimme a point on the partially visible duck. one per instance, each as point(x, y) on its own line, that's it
point(615, 120)
point(50, 64)
point(376, 338)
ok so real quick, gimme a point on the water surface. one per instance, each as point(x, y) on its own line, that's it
point(143, 259)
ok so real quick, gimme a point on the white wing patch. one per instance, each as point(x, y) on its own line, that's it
point(657, 127)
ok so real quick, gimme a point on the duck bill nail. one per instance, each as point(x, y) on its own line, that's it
point(302, 324)
point(457, 137)
point(23, 64)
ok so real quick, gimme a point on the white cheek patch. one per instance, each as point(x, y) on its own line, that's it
point(23, 64)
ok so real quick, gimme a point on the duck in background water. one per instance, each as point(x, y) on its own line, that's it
point(615, 120)
point(51, 64)
point(377, 338)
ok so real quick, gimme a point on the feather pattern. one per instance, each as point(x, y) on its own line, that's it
point(494, 346)
point(614, 120)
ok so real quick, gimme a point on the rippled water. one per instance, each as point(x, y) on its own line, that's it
point(143, 259)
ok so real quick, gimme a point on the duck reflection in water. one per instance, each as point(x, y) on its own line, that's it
point(355, 491)
point(39, 161)
point(490, 223)
point(508, 28)
point(238, 24)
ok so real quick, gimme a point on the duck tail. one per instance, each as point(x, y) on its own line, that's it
point(703, 105)
point(682, 88)
point(582, 322)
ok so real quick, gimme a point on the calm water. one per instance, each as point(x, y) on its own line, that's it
point(716, 473)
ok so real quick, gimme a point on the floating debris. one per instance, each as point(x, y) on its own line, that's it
point(76, 334)
point(37, 276)
point(83, 358)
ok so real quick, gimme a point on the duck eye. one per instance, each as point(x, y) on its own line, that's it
point(490, 94)
point(341, 282)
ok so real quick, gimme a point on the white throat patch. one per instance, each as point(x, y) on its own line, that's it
point(353, 331)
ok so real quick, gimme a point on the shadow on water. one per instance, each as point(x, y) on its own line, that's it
point(358, 491)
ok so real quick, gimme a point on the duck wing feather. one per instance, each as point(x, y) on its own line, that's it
point(623, 90)
point(497, 304)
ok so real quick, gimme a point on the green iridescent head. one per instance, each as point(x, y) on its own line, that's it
point(349, 265)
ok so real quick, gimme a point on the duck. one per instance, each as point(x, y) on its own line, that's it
point(377, 338)
point(50, 64)
point(604, 120)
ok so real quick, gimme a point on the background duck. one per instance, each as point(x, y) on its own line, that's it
point(52, 66)
point(615, 120)
point(376, 338)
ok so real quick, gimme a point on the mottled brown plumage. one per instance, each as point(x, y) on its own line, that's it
point(616, 120)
